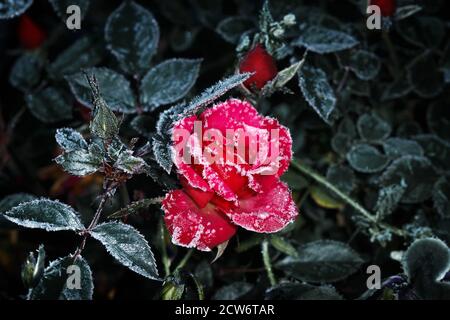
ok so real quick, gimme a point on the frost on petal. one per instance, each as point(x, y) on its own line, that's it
point(193, 227)
point(268, 211)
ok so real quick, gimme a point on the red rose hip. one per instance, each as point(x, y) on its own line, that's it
point(387, 7)
point(31, 36)
point(259, 61)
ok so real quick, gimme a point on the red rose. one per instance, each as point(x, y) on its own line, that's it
point(387, 7)
point(241, 187)
point(262, 64)
point(30, 35)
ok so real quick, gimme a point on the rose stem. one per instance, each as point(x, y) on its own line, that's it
point(184, 260)
point(267, 263)
point(309, 172)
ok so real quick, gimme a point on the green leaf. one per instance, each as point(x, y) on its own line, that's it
point(116, 90)
point(372, 128)
point(128, 247)
point(364, 64)
point(132, 36)
point(49, 105)
point(70, 140)
point(322, 261)
point(294, 180)
point(441, 196)
point(233, 291)
point(422, 31)
point(282, 78)
point(168, 82)
point(26, 71)
point(79, 162)
point(129, 163)
point(388, 199)
point(318, 92)
point(366, 159)
point(13, 8)
point(437, 150)
point(324, 40)
point(342, 177)
point(398, 147)
point(47, 214)
point(406, 11)
point(302, 291)
point(425, 77)
point(425, 263)
point(231, 28)
point(53, 283)
point(418, 174)
point(283, 245)
point(60, 7)
point(84, 53)
point(397, 89)
point(438, 119)
point(13, 200)
point(162, 152)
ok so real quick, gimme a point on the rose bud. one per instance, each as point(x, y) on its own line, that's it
point(31, 36)
point(259, 61)
point(387, 7)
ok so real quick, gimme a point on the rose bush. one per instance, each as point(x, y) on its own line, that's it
point(217, 197)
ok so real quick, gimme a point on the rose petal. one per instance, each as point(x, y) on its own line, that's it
point(268, 211)
point(193, 227)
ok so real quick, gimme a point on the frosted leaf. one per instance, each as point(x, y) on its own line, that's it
point(132, 36)
point(418, 174)
point(322, 261)
point(13, 8)
point(49, 105)
point(366, 159)
point(53, 283)
point(425, 76)
point(388, 199)
point(233, 291)
point(435, 149)
point(129, 163)
point(12, 200)
point(323, 40)
point(47, 214)
point(214, 92)
point(79, 162)
point(342, 177)
point(128, 247)
point(398, 147)
point(70, 140)
point(318, 92)
point(231, 28)
point(162, 152)
point(364, 64)
point(26, 71)
point(372, 128)
point(441, 196)
point(115, 89)
point(83, 53)
point(60, 7)
point(168, 82)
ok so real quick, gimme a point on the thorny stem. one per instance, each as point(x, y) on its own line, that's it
point(267, 263)
point(309, 172)
point(94, 221)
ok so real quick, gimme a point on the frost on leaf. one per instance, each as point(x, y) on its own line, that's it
point(366, 159)
point(323, 40)
point(129, 163)
point(128, 247)
point(49, 105)
point(12, 200)
point(168, 82)
point(13, 8)
point(132, 36)
point(318, 92)
point(322, 261)
point(70, 140)
point(79, 162)
point(115, 89)
point(47, 214)
point(53, 283)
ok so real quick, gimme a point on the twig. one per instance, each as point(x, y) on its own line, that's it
point(267, 263)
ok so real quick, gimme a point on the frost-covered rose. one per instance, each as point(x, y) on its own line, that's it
point(229, 160)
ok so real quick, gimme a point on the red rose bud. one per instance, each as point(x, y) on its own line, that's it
point(31, 36)
point(262, 64)
point(387, 7)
